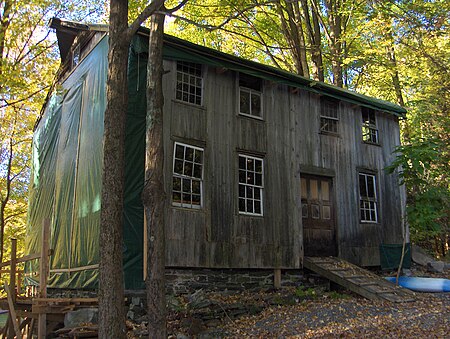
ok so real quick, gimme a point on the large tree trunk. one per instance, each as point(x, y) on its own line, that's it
point(314, 38)
point(292, 30)
point(111, 295)
point(335, 36)
point(154, 195)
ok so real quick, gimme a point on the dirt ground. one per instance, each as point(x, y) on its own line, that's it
point(428, 317)
point(317, 313)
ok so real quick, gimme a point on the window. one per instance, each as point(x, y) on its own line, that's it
point(369, 126)
point(76, 55)
point(250, 96)
point(367, 197)
point(329, 120)
point(189, 82)
point(187, 176)
point(251, 184)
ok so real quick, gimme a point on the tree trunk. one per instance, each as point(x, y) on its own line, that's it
point(111, 289)
point(5, 197)
point(4, 24)
point(314, 37)
point(154, 195)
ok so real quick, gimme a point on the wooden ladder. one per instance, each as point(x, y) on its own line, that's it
point(357, 279)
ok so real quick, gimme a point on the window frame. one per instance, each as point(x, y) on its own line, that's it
point(369, 126)
point(251, 91)
point(189, 75)
point(192, 178)
point(368, 204)
point(254, 186)
point(325, 108)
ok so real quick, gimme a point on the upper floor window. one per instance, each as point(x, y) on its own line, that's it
point(367, 198)
point(189, 82)
point(369, 126)
point(329, 119)
point(250, 99)
point(251, 185)
point(76, 55)
point(187, 176)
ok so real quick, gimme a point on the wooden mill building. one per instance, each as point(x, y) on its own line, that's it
point(262, 167)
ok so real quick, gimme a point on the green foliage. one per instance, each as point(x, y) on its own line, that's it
point(337, 296)
point(29, 60)
point(422, 168)
point(306, 293)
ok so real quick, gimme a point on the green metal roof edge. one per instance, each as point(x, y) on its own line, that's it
point(289, 78)
point(243, 65)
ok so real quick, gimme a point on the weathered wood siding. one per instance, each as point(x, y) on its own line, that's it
point(342, 157)
point(217, 235)
point(289, 141)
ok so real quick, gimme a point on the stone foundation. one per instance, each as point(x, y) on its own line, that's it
point(185, 281)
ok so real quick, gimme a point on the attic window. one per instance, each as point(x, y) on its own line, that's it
point(369, 126)
point(189, 82)
point(329, 118)
point(187, 179)
point(76, 55)
point(250, 99)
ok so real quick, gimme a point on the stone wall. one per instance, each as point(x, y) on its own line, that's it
point(182, 280)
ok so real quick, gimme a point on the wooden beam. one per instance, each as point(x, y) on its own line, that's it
point(43, 273)
point(12, 312)
point(66, 300)
point(145, 248)
point(12, 274)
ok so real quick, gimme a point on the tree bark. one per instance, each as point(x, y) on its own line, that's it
point(154, 195)
point(5, 197)
point(4, 24)
point(291, 26)
point(314, 38)
point(111, 287)
point(335, 35)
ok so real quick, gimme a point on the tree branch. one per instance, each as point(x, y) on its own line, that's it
point(12, 103)
point(176, 8)
point(144, 15)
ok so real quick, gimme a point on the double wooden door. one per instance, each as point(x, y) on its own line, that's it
point(318, 216)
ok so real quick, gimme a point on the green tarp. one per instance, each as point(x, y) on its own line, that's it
point(67, 169)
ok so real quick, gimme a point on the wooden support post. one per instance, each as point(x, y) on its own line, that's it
point(19, 282)
point(43, 274)
point(277, 278)
point(12, 312)
point(13, 266)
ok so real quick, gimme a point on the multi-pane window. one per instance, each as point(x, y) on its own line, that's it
point(329, 119)
point(369, 126)
point(367, 197)
point(189, 82)
point(251, 185)
point(187, 176)
point(250, 99)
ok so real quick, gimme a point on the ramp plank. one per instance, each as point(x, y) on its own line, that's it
point(357, 279)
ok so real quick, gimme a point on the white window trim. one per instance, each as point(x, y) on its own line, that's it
point(202, 78)
point(180, 204)
point(251, 91)
point(375, 198)
point(260, 187)
point(328, 117)
point(370, 127)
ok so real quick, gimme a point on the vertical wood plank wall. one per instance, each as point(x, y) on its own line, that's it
point(289, 141)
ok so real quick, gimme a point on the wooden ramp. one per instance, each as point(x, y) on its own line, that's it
point(357, 279)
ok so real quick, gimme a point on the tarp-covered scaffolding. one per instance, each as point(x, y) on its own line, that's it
point(66, 174)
